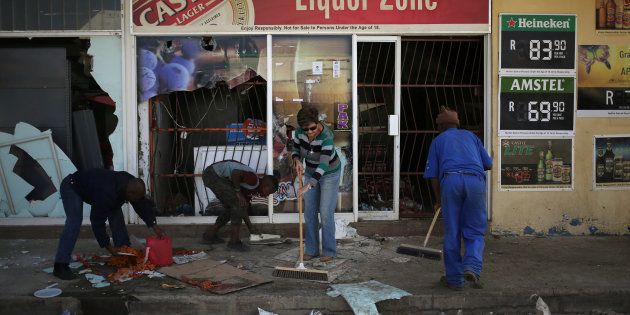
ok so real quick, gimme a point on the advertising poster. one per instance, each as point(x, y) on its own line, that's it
point(604, 80)
point(536, 106)
point(612, 16)
point(329, 16)
point(611, 162)
point(536, 164)
point(188, 63)
point(537, 44)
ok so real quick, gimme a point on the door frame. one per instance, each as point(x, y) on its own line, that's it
point(376, 215)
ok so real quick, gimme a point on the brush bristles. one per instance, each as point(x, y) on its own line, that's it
point(306, 274)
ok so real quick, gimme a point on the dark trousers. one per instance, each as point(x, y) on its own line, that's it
point(73, 206)
point(224, 190)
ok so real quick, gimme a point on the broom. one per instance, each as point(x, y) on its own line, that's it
point(301, 272)
point(423, 251)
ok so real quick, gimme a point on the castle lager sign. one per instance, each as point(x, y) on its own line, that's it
point(299, 16)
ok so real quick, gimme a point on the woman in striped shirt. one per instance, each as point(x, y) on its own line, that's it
point(313, 143)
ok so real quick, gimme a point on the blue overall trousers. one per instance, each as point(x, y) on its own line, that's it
point(463, 197)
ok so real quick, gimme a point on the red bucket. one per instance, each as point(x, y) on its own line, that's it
point(160, 250)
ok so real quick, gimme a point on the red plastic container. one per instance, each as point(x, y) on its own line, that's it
point(160, 250)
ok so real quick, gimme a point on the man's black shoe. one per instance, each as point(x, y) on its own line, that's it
point(473, 279)
point(450, 285)
point(63, 272)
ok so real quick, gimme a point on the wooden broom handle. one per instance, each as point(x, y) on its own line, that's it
point(435, 216)
point(300, 220)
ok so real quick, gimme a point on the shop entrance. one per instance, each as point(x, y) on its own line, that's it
point(378, 95)
point(434, 71)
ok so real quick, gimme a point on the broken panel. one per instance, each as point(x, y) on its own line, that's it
point(206, 103)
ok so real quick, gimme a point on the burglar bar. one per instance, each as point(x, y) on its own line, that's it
point(188, 131)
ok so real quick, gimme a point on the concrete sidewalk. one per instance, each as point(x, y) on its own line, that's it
point(571, 274)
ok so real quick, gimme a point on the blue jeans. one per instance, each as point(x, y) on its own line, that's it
point(322, 200)
point(465, 217)
point(73, 206)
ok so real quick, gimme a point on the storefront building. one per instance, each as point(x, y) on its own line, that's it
point(174, 86)
point(225, 80)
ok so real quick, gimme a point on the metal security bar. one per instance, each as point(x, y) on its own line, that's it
point(60, 15)
point(375, 88)
point(436, 71)
point(191, 130)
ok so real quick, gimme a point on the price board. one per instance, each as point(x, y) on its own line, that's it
point(537, 44)
point(536, 106)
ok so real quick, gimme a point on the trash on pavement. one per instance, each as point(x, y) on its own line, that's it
point(541, 305)
point(75, 264)
point(263, 312)
point(182, 259)
point(214, 276)
point(48, 292)
point(362, 297)
point(172, 286)
point(96, 280)
point(400, 260)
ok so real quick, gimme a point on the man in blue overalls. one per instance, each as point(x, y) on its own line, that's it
point(456, 164)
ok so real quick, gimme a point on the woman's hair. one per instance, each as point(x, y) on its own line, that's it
point(306, 115)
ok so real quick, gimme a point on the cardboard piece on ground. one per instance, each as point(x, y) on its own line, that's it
point(229, 279)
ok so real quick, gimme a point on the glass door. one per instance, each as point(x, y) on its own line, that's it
point(378, 107)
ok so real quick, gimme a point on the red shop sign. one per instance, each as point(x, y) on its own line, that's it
point(329, 16)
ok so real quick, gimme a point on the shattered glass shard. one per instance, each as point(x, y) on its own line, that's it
point(33, 173)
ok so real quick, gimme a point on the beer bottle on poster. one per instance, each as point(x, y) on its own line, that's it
point(601, 14)
point(549, 163)
point(618, 168)
point(619, 14)
point(541, 167)
point(609, 161)
point(611, 10)
point(599, 164)
point(626, 14)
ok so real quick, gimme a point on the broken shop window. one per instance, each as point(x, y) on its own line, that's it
point(50, 86)
point(206, 103)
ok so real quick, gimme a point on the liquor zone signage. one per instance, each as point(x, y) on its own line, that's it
point(536, 106)
point(536, 164)
point(312, 16)
point(537, 44)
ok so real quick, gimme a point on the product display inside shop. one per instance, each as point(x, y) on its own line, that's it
point(311, 71)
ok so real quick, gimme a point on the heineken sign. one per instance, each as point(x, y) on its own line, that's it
point(536, 106)
point(537, 44)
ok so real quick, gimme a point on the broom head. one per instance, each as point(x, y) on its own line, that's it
point(303, 274)
point(419, 251)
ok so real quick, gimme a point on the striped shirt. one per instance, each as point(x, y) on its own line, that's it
point(319, 155)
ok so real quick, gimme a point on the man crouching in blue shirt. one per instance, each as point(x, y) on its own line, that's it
point(106, 191)
point(456, 164)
